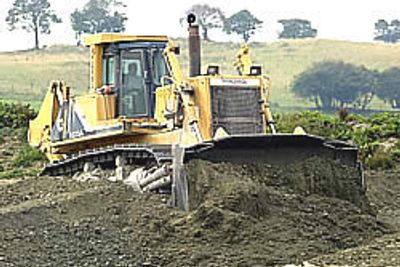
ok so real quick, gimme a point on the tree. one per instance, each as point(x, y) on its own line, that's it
point(387, 32)
point(296, 29)
point(389, 87)
point(336, 84)
point(207, 17)
point(99, 16)
point(243, 23)
point(32, 16)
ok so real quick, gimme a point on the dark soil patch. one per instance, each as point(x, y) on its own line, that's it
point(241, 216)
point(38, 188)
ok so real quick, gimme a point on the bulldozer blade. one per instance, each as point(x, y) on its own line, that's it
point(277, 149)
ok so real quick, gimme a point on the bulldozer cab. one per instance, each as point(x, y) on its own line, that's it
point(133, 69)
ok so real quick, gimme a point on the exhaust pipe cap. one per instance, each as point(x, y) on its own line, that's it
point(191, 18)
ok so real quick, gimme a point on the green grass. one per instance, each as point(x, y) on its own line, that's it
point(17, 158)
point(27, 156)
point(26, 75)
point(381, 160)
point(18, 173)
point(377, 136)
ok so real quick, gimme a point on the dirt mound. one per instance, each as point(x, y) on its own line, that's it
point(38, 188)
point(384, 194)
point(241, 216)
point(249, 188)
point(383, 251)
point(83, 228)
point(288, 212)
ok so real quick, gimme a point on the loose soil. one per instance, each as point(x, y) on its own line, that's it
point(249, 215)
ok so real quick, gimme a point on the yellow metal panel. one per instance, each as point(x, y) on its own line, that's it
point(98, 109)
point(88, 105)
point(243, 61)
point(233, 76)
point(96, 66)
point(265, 94)
point(104, 38)
point(164, 101)
point(174, 65)
point(116, 137)
point(105, 107)
point(202, 101)
point(46, 117)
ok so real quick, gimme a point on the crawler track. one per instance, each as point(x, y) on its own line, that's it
point(105, 157)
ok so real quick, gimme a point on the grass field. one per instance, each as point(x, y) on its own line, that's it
point(24, 76)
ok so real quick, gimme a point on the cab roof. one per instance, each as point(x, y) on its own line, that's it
point(105, 38)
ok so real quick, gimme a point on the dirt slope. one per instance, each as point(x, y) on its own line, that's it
point(384, 194)
point(250, 215)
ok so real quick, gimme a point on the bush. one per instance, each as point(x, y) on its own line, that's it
point(20, 134)
point(396, 151)
point(27, 156)
point(332, 84)
point(380, 160)
point(367, 132)
point(2, 138)
point(14, 115)
point(389, 81)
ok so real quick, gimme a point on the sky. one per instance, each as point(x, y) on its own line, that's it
point(335, 19)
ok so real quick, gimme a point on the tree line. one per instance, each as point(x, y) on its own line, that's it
point(245, 24)
point(388, 32)
point(37, 16)
point(332, 84)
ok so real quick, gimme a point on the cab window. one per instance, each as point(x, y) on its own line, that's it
point(108, 70)
point(133, 93)
point(159, 66)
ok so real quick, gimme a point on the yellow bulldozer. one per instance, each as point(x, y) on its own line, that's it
point(142, 111)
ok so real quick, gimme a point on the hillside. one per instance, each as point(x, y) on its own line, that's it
point(25, 75)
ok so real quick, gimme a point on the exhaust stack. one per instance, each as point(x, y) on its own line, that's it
point(194, 47)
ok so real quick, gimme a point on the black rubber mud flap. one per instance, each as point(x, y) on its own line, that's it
point(273, 149)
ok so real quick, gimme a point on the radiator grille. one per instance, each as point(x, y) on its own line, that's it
point(236, 109)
